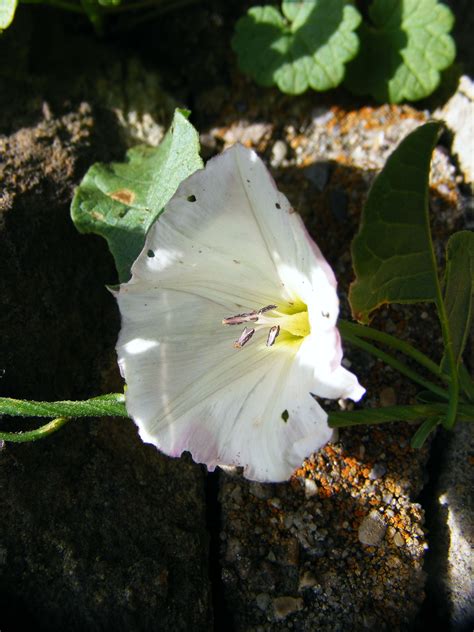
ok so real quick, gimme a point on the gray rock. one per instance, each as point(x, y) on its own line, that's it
point(285, 606)
point(372, 529)
point(454, 535)
point(458, 114)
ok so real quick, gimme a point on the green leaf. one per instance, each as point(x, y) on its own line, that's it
point(306, 47)
point(7, 12)
point(424, 431)
point(403, 51)
point(459, 290)
point(392, 254)
point(120, 201)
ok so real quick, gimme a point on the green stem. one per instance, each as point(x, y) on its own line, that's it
point(450, 418)
point(393, 362)
point(111, 405)
point(341, 419)
point(423, 432)
point(363, 331)
point(34, 435)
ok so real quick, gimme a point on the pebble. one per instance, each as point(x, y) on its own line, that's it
point(372, 529)
point(262, 600)
point(310, 488)
point(398, 539)
point(377, 471)
point(284, 606)
point(307, 580)
point(279, 152)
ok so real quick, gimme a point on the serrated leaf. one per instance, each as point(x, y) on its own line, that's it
point(459, 290)
point(7, 13)
point(392, 254)
point(403, 51)
point(120, 201)
point(306, 47)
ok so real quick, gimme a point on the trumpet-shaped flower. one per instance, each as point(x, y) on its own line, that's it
point(229, 326)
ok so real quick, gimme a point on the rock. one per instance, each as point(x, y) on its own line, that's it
point(279, 151)
point(398, 539)
point(262, 601)
point(99, 530)
point(310, 488)
point(284, 606)
point(377, 471)
point(452, 570)
point(243, 132)
point(372, 529)
point(458, 114)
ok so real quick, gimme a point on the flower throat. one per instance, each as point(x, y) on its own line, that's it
point(294, 322)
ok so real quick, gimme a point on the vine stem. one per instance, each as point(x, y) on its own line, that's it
point(363, 331)
point(341, 419)
point(111, 405)
point(34, 435)
point(391, 361)
point(450, 418)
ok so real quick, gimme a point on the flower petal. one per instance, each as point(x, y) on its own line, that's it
point(230, 235)
point(229, 242)
point(193, 391)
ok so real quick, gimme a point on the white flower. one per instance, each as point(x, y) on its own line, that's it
point(229, 326)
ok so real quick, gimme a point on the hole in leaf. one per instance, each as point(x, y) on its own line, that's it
point(277, 205)
point(285, 416)
point(150, 254)
point(191, 198)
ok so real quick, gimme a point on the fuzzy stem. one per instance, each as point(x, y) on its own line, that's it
point(34, 435)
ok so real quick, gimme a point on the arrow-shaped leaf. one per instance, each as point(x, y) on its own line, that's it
point(120, 201)
point(393, 254)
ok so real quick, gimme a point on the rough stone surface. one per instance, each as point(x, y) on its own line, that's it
point(98, 531)
point(458, 114)
point(452, 560)
point(372, 529)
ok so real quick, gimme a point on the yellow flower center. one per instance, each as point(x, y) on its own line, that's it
point(289, 324)
point(295, 324)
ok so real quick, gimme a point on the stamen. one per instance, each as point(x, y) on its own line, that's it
point(268, 308)
point(272, 335)
point(248, 317)
point(244, 338)
point(241, 318)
